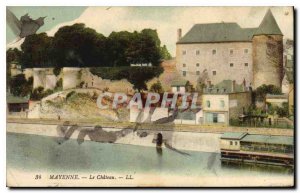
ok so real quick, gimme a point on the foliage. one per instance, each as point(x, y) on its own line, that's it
point(37, 51)
point(157, 87)
point(80, 46)
point(58, 85)
point(13, 55)
point(138, 76)
point(81, 84)
point(70, 94)
point(19, 86)
point(165, 53)
point(56, 71)
point(263, 90)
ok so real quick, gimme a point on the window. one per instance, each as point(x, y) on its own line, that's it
point(208, 104)
point(183, 65)
point(197, 52)
point(231, 51)
point(197, 72)
point(184, 73)
point(178, 88)
point(214, 72)
point(231, 64)
point(236, 143)
point(231, 143)
point(215, 117)
point(184, 52)
point(246, 51)
point(197, 64)
point(214, 52)
point(246, 64)
point(222, 104)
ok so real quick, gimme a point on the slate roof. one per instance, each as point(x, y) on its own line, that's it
point(269, 139)
point(229, 32)
point(276, 96)
point(224, 87)
point(268, 26)
point(11, 99)
point(233, 135)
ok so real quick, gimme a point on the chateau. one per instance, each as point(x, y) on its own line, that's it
point(223, 51)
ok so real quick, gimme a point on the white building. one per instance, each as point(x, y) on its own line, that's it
point(224, 101)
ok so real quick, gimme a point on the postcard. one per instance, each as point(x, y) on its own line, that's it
point(150, 96)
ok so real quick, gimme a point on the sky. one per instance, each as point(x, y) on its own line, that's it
point(166, 20)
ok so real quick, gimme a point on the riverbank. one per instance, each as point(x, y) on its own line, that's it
point(165, 127)
point(204, 142)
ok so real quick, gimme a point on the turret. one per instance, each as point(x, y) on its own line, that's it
point(267, 53)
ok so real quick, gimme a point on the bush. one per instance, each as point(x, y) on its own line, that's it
point(70, 94)
point(19, 86)
point(58, 85)
point(156, 87)
point(56, 71)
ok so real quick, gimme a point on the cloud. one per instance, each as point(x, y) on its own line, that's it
point(168, 20)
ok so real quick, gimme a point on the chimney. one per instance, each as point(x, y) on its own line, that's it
point(179, 34)
point(244, 85)
point(233, 86)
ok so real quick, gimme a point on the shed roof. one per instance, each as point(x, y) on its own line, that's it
point(233, 135)
point(269, 139)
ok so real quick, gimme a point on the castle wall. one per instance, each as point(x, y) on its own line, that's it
point(39, 76)
point(50, 82)
point(43, 77)
point(219, 62)
point(71, 77)
point(267, 60)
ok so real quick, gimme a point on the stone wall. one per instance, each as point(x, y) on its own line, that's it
point(267, 60)
point(71, 77)
point(39, 77)
point(219, 62)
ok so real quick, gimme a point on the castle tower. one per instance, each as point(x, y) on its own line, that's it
point(267, 53)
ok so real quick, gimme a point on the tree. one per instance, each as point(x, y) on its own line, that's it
point(78, 46)
point(165, 53)
point(37, 51)
point(13, 55)
point(263, 90)
point(145, 48)
point(19, 86)
point(156, 87)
